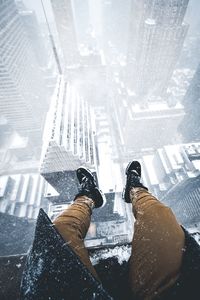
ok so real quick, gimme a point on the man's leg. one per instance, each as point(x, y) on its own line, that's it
point(74, 222)
point(73, 225)
point(158, 241)
point(157, 246)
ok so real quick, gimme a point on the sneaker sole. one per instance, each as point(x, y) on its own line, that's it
point(99, 198)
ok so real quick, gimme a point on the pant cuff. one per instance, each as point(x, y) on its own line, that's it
point(84, 199)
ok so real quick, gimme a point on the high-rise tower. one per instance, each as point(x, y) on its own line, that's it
point(63, 13)
point(190, 126)
point(69, 139)
point(157, 33)
point(23, 97)
point(69, 133)
point(173, 174)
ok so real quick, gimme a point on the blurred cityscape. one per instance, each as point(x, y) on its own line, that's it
point(97, 83)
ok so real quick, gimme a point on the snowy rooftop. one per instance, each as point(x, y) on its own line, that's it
point(19, 142)
point(148, 161)
point(3, 184)
point(150, 21)
point(157, 106)
point(196, 164)
point(131, 92)
point(50, 191)
point(122, 253)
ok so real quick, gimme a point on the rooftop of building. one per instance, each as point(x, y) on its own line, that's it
point(149, 21)
point(156, 106)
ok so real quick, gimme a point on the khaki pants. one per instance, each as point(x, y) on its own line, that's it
point(157, 245)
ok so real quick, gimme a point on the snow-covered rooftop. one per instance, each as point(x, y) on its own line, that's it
point(150, 21)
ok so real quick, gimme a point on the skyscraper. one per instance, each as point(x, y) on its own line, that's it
point(40, 45)
point(32, 29)
point(147, 128)
point(63, 13)
point(68, 139)
point(69, 136)
point(190, 126)
point(173, 174)
point(21, 195)
point(23, 98)
point(157, 33)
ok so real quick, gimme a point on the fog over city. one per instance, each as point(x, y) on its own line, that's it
point(97, 83)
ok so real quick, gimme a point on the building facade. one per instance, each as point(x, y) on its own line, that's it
point(40, 44)
point(172, 173)
point(147, 128)
point(190, 126)
point(23, 98)
point(157, 33)
point(69, 133)
point(21, 195)
point(64, 18)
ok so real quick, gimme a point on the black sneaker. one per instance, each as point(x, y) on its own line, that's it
point(89, 187)
point(133, 173)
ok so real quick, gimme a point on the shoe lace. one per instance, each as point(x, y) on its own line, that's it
point(133, 178)
point(87, 183)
